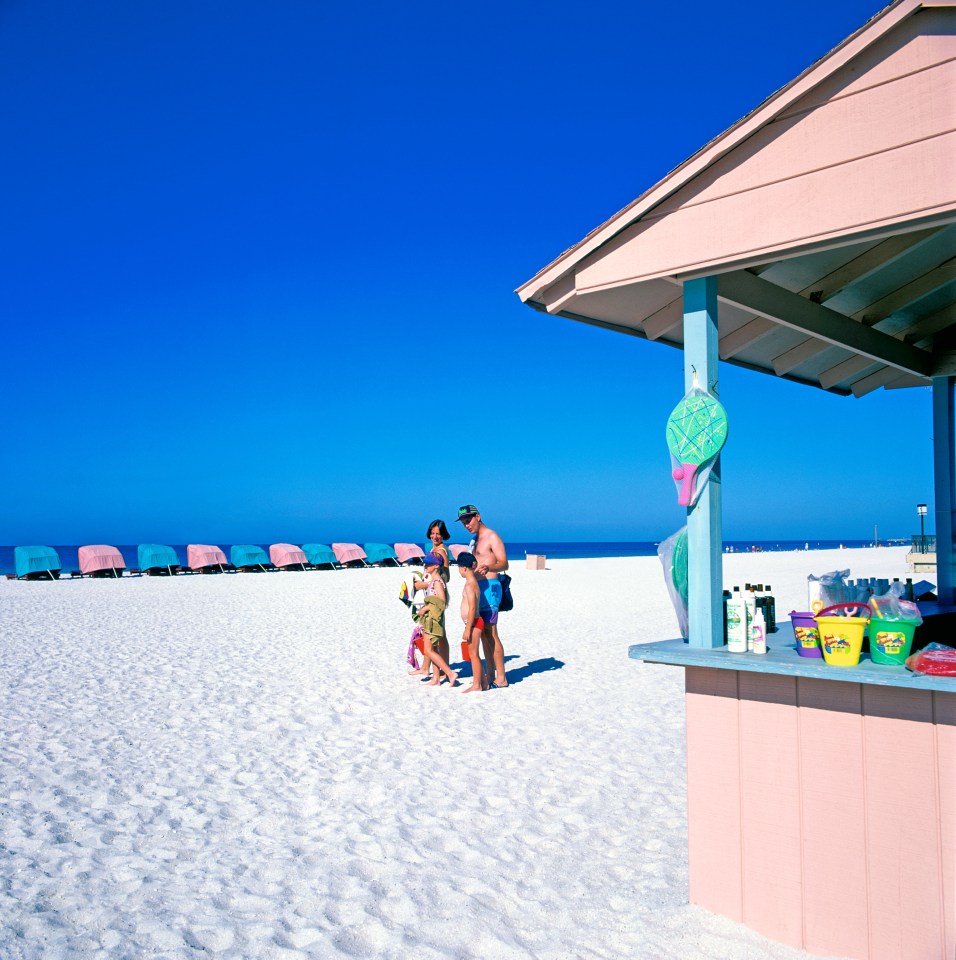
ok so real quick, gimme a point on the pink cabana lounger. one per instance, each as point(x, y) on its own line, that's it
point(287, 555)
point(200, 555)
point(406, 552)
point(98, 557)
point(348, 552)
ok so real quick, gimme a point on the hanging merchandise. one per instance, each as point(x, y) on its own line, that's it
point(673, 556)
point(696, 431)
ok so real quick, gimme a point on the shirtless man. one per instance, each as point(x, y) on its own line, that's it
point(490, 560)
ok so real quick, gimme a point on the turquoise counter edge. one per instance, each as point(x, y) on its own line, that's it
point(782, 659)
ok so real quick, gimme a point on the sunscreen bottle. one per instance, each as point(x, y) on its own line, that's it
point(758, 633)
point(750, 598)
point(737, 625)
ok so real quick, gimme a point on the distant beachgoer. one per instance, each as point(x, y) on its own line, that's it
point(431, 618)
point(490, 560)
point(472, 620)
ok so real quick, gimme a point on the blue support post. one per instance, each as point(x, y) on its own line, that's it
point(704, 529)
point(944, 471)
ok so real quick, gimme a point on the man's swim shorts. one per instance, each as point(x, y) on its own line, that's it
point(489, 599)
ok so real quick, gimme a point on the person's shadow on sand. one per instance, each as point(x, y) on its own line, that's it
point(544, 665)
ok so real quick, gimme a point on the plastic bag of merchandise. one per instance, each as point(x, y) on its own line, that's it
point(934, 660)
point(673, 556)
point(892, 606)
point(828, 589)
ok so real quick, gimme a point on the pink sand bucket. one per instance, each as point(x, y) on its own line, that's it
point(806, 633)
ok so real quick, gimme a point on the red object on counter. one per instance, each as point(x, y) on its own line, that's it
point(938, 662)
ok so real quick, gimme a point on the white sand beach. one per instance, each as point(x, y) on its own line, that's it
point(239, 766)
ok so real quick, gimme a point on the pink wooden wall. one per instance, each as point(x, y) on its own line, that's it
point(823, 814)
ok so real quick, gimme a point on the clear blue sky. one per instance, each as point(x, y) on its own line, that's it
point(244, 244)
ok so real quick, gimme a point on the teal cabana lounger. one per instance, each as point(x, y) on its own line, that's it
point(319, 555)
point(156, 559)
point(380, 553)
point(247, 556)
point(36, 563)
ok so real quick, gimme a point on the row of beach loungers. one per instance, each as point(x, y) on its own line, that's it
point(101, 560)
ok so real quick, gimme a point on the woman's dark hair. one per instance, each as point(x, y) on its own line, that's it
point(442, 529)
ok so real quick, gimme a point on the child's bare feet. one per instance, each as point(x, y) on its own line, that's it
point(417, 673)
point(435, 681)
point(453, 677)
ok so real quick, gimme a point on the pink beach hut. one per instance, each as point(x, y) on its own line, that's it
point(349, 554)
point(203, 556)
point(287, 555)
point(812, 241)
point(97, 559)
point(408, 552)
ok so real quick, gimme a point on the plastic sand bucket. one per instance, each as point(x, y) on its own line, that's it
point(841, 637)
point(465, 652)
point(807, 633)
point(890, 640)
point(420, 644)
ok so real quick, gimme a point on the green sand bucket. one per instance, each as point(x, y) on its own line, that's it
point(890, 640)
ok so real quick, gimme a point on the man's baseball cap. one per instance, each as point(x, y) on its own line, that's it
point(467, 512)
point(432, 560)
point(466, 559)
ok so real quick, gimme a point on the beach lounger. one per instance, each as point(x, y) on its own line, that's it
point(157, 559)
point(287, 556)
point(35, 563)
point(349, 554)
point(380, 555)
point(319, 555)
point(101, 560)
point(409, 553)
point(206, 558)
point(249, 558)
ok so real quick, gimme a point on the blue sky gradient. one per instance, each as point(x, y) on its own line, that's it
point(246, 245)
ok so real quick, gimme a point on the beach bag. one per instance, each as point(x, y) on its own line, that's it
point(507, 601)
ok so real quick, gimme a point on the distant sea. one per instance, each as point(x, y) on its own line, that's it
point(556, 550)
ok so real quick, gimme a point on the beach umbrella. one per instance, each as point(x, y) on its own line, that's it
point(28, 561)
point(455, 548)
point(200, 555)
point(248, 555)
point(287, 555)
point(156, 556)
point(380, 553)
point(318, 554)
point(406, 552)
point(348, 553)
point(97, 557)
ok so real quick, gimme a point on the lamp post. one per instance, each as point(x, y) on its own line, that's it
point(921, 510)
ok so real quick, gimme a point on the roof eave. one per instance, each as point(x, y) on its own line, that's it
point(872, 31)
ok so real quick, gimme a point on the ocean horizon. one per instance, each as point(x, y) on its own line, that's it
point(553, 549)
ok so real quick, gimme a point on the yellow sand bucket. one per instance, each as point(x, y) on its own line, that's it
point(841, 637)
